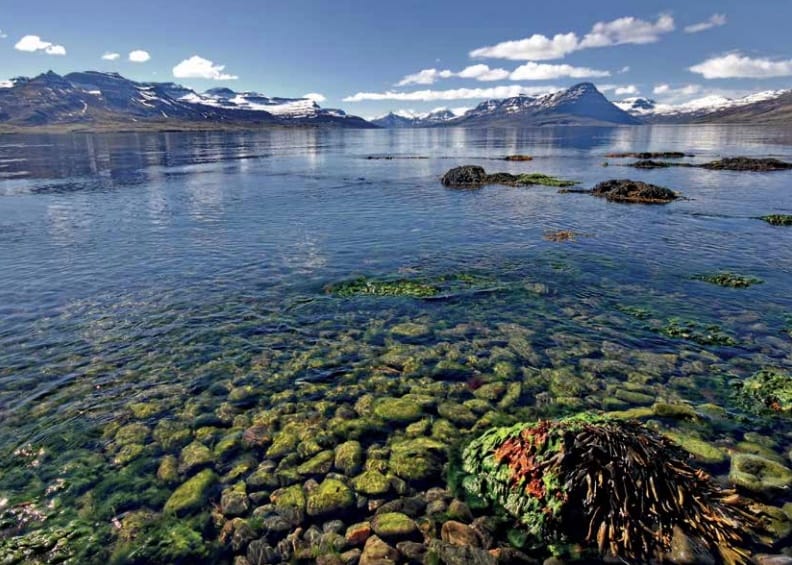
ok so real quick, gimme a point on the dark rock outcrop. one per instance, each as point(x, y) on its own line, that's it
point(747, 164)
point(469, 176)
point(625, 190)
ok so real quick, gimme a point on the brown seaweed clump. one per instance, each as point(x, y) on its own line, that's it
point(610, 485)
point(625, 190)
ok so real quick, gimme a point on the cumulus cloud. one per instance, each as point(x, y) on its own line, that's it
point(736, 65)
point(453, 94)
point(139, 56)
point(667, 89)
point(430, 76)
point(111, 56)
point(33, 43)
point(426, 76)
point(539, 47)
point(535, 48)
point(198, 67)
point(629, 90)
point(715, 20)
point(542, 71)
point(627, 30)
point(315, 96)
point(483, 73)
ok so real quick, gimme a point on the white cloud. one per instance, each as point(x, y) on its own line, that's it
point(315, 96)
point(426, 76)
point(453, 94)
point(541, 71)
point(111, 56)
point(198, 67)
point(430, 76)
point(33, 43)
point(139, 56)
point(664, 89)
point(535, 48)
point(539, 47)
point(3, 34)
point(483, 73)
point(715, 20)
point(736, 65)
point(629, 90)
point(624, 69)
point(627, 30)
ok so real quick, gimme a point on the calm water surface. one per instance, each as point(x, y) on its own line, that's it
point(176, 270)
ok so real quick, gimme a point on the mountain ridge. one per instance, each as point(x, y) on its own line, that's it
point(90, 99)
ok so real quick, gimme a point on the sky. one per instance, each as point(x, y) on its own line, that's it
point(370, 57)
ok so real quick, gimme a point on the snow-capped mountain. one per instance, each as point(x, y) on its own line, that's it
point(408, 119)
point(581, 104)
point(769, 105)
point(108, 99)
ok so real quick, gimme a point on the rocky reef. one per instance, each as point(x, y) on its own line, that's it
point(778, 219)
point(471, 176)
point(613, 486)
point(647, 161)
point(630, 191)
point(727, 279)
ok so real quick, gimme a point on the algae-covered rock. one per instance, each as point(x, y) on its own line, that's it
point(771, 388)
point(630, 191)
point(371, 287)
point(284, 442)
point(332, 496)
point(371, 483)
point(411, 330)
point(728, 279)
point(194, 456)
point(349, 457)
point(191, 495)
point(234, 501)
point(417, 459)
point(555, 476)
point(401, 410)
point(319, 464)
point(168, 470)
point(701, 450)
point(758, 474)
point(292, 496)
point(393, 525)
point(459, 414)
point(778, 219)
point(132, 434)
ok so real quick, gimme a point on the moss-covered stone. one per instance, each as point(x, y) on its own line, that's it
point(417, 459)
point(372, 287)
point(399, 410)
point(191, 495)
point(458, 414)
point(319, 464)
point(371, 483)
point(132, 434)
point(168, 470)
point(411, 330)
point(293, 496)
point(778, 219)
point(283, 443)
point(771, 388)
point(349, 457)
point(701, 450)
point(758, 474)
point(393, 525)
point(194, 456)
point(731, 280)
point(332, 496)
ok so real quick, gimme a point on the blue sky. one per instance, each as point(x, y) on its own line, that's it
point(369, 57)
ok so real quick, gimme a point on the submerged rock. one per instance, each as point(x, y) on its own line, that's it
point(758, 474)
point(778, 219)
point(470, 176)
point(562, 480)
point(191, 495)
point(625, 190)
point(732, 280)
point(771, 388)
point(650, 155)
point(747, 164)
point(331, 497)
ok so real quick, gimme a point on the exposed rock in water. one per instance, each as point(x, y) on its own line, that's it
point(778, 219)
point(625, 190)
point(518, 158)
point(468, 176)
point(471, 176)
point(747, 164)
point(612, 485)
point(650, 155)
point(651, 164)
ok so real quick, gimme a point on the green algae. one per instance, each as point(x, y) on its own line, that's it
point(778, 219)
point(695, 331)
point(544, 180)
point(727, 279)
point(332, 496)
point(369, 287)
point(191, 495)
point(769, 388)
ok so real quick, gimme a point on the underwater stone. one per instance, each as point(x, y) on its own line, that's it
point(457, 413)
point(132, 433)
point(393, 525)
point(192, 494)
point(398, 410)
point(292, 496)
point(194, 456)
point(371, 483)
point(349, 457)
point(417, 459)
point(320, 464)
point(758, 474)
point(283, 443)
point(234, 501)
point(411, 330)
point(331, 497)
point(168, 470)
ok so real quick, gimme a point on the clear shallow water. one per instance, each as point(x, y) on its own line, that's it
point(175, 268)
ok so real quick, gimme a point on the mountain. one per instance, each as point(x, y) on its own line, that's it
point(768, 107)
point(109, 101)
point(581, 104)
point(404, 119)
